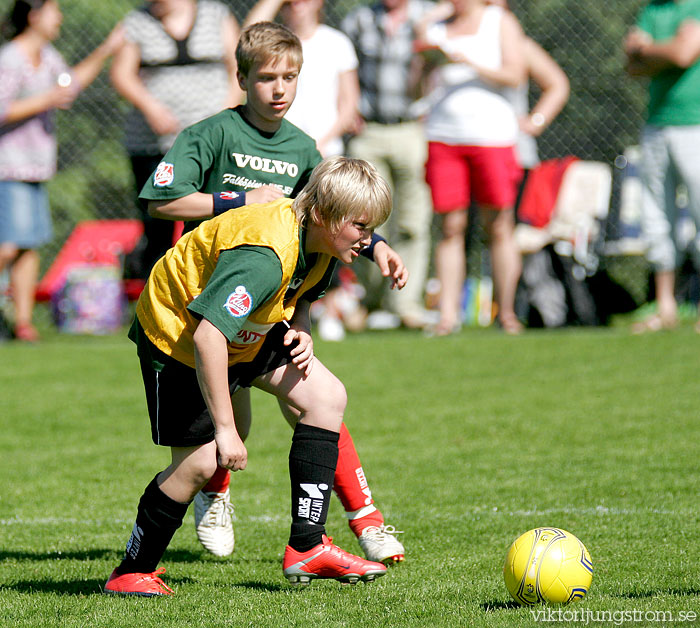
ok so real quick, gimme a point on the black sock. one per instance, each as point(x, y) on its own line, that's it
point(312, 461)
point(157, 520)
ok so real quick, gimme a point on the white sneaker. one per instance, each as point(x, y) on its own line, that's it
point(380, 546)
point(213, 514)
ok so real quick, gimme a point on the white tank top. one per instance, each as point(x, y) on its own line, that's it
point(467, 110)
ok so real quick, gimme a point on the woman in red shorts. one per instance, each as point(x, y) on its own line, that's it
point(472, 130)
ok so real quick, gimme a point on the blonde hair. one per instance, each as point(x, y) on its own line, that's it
point(342, 190)
point(265, 41)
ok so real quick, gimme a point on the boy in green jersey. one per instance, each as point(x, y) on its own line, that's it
point(228, 307)
point(251, 154)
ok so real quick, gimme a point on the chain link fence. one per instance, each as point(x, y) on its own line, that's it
point(602, 118)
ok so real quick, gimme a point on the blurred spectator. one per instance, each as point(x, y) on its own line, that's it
point(543, 71)
point(472, 130)
point(325, 108)
point(542, 287)
point(177, 67)
point(390, 138)
point(665, 46)
point(34, 81)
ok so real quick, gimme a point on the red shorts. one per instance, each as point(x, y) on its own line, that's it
point(488, 175)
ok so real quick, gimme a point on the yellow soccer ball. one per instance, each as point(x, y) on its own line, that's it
point(547, 565)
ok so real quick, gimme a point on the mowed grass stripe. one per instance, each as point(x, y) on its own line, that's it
point(467, 441)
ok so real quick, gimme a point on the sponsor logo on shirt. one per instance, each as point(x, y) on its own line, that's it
point(238, 302)
point(164, 174)
point(247, 337)
point(265, 164)
point(251, 184)
point(252, 332)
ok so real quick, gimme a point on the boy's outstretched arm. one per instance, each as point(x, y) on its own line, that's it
point(195, 206)
point(199, 206)
point(211, 358)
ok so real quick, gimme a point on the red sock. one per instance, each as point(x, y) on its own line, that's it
point(219, 481)
point(351, 486)
point(374, 518)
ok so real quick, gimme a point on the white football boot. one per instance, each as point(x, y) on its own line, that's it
point(380, 545)
point(213, 520)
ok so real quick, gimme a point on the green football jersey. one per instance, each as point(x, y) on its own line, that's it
point(227, 153)
point(260, 271)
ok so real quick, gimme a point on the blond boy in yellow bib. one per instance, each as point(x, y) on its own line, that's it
point(228, 307)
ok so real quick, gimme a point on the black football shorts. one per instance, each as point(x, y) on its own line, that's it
point(178, 412)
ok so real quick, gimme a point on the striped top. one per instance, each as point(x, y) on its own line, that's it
point(189, 76)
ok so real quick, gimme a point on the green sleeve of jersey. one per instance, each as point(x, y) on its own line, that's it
point(184, 168)
point(249, 275)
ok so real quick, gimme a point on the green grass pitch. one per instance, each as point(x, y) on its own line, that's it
point(467, 441)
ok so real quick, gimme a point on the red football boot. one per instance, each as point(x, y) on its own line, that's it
point(144, 584)
point(328, 561)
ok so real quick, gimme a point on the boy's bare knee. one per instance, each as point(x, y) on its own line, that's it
point(206, 469)
point(328, 397)
point(201, 466)
point(333, 396)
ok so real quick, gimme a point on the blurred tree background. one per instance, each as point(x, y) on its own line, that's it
point(602, 118)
